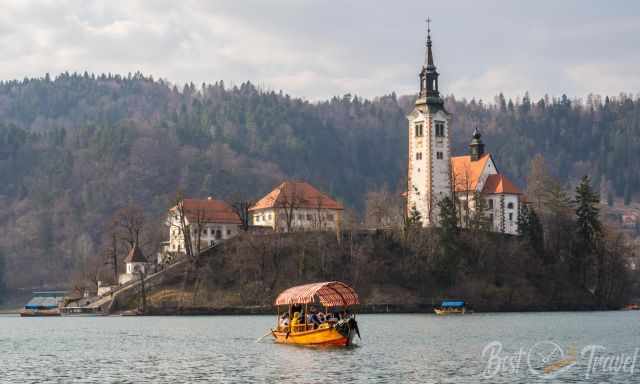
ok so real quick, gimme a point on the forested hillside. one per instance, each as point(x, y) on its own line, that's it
point(75, 149)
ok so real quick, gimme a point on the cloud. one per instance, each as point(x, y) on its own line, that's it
point(317, 50)
point(509, 80)
point(601, 78)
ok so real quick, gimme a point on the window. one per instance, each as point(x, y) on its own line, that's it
point(419, 130)
point(439, 155)
point(510, 216)
point(490, 203)
point(218, 234)
point(439, 129)
point(510, 205)
point(419, 156)
point(330, 217)
point(491, 218)
point(269, 217)
point(301, 217)
point(309, 217)
point(228, 232)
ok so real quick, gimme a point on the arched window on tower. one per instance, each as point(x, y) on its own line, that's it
point(439, 129)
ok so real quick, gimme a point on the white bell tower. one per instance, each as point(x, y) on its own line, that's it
point(429, 168)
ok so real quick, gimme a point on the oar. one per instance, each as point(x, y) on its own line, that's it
point(263, 336)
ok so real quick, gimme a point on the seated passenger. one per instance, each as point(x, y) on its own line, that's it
point(284, 321)
point(313, 318)
point(295, 322)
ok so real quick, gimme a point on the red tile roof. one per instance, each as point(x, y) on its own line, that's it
point(466, 173)
point(500, 184)
point(210, 211)
point(297, 193)
point(135, 256)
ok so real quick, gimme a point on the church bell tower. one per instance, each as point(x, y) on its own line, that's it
point(429, 163)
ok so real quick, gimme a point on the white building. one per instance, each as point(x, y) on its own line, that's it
point(208, 220)
point(429, 173)
point(135, 263)
point(434, 174)
point(297, 205)
point(476, 176)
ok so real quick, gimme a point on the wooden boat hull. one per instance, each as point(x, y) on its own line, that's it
point(450, 312)
point(316, 337)
point(39, 313)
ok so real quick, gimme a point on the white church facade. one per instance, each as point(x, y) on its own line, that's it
point(434, 174)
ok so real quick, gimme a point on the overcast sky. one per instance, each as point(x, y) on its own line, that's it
point(317, 49)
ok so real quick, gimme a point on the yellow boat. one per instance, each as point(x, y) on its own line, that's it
point(451, 307)
point(335, 330)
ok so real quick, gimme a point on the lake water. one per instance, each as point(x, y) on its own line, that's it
point(395, 349)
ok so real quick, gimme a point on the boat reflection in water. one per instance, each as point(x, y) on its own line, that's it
point(317, 314)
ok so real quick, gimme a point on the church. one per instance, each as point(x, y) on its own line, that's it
point(433, 173)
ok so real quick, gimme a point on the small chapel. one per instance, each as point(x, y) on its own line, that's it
point(433, 173)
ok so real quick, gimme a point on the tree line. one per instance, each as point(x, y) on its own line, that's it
point(76, 148)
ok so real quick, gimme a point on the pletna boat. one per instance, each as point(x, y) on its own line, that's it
point(451, 307)
point(306, 306)
point(44, 303)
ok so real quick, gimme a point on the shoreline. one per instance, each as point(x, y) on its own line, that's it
point(363, 309)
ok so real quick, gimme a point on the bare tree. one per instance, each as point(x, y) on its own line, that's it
point(190, 223)
point(384, 209)
point(128, 224)
point(463, 192)
point(241, 208)
point(319, 220)
point(291, 201)
point(178, 220)
point(538, 182)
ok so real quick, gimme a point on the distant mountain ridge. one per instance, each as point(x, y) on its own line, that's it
point(75, 148)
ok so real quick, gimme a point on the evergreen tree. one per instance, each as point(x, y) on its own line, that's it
point(449, 260)
point(414, 218)
point(587, 202)
point(479, 220)
point(530, 229)
point(588, 227)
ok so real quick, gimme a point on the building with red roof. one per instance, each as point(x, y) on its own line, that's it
point(296, 205)
point(476, 176)
point(208, 220)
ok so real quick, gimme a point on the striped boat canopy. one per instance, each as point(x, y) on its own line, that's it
point(328, 293)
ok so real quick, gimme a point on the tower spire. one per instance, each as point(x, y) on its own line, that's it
point(429, 60)
point(429, 76)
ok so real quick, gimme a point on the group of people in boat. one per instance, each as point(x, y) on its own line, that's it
point(300, 321)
